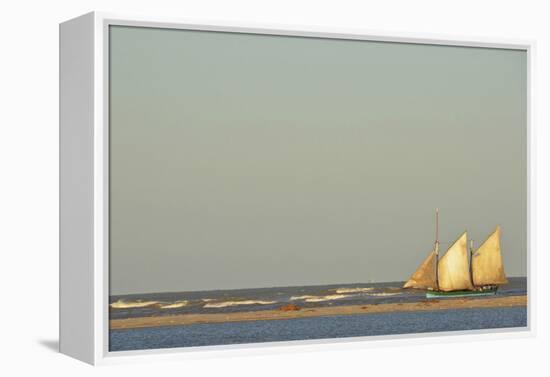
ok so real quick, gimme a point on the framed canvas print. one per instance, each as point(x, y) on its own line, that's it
point(227, 186)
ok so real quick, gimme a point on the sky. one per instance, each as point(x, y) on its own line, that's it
point(244, 161)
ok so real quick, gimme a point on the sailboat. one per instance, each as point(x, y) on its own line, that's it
point(459, 273)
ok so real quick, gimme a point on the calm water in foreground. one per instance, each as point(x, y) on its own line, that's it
point(161, 304)
point(316, 328)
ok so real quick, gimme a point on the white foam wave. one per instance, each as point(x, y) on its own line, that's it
point(121, 304)
point(174, 305)
point(354, 290)
point(300, 297)
point(383, 294)
point(308, 298)
point(225, 304)
point(325, 298)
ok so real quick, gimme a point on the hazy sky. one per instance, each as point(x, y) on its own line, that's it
point(243, 160)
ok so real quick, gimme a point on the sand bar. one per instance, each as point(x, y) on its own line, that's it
point(427, 305)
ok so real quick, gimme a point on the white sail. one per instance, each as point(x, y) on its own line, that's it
point(425, 276)
point(453, 267)
point(487, 266)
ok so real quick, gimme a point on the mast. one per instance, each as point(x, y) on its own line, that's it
point(436, 248)
point(471, 260)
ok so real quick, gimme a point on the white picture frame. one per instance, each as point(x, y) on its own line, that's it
point(84, 175)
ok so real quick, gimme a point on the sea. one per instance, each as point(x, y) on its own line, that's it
point(339, 326)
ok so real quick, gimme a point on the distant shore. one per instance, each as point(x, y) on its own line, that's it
point(427, 305)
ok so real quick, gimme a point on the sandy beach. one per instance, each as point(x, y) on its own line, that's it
point(427, 305)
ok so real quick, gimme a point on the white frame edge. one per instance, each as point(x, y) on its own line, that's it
point(84, 278)
point(76, 175)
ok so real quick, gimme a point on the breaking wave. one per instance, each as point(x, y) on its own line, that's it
point(121, 304)
point(174, 305)
point(383, 294)
point(299, 297)
point(354, 290)
point(225, 304)
point(307, 298)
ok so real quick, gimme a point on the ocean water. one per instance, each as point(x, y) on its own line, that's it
point(235, 300)
point(316, 328)
point(227, 301)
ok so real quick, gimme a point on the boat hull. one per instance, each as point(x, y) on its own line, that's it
point(441, 294)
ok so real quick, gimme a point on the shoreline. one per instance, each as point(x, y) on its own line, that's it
point(262, 315)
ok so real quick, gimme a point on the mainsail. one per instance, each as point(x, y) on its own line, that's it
point(454, 269)
point(425, 275)
point(487, 266)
